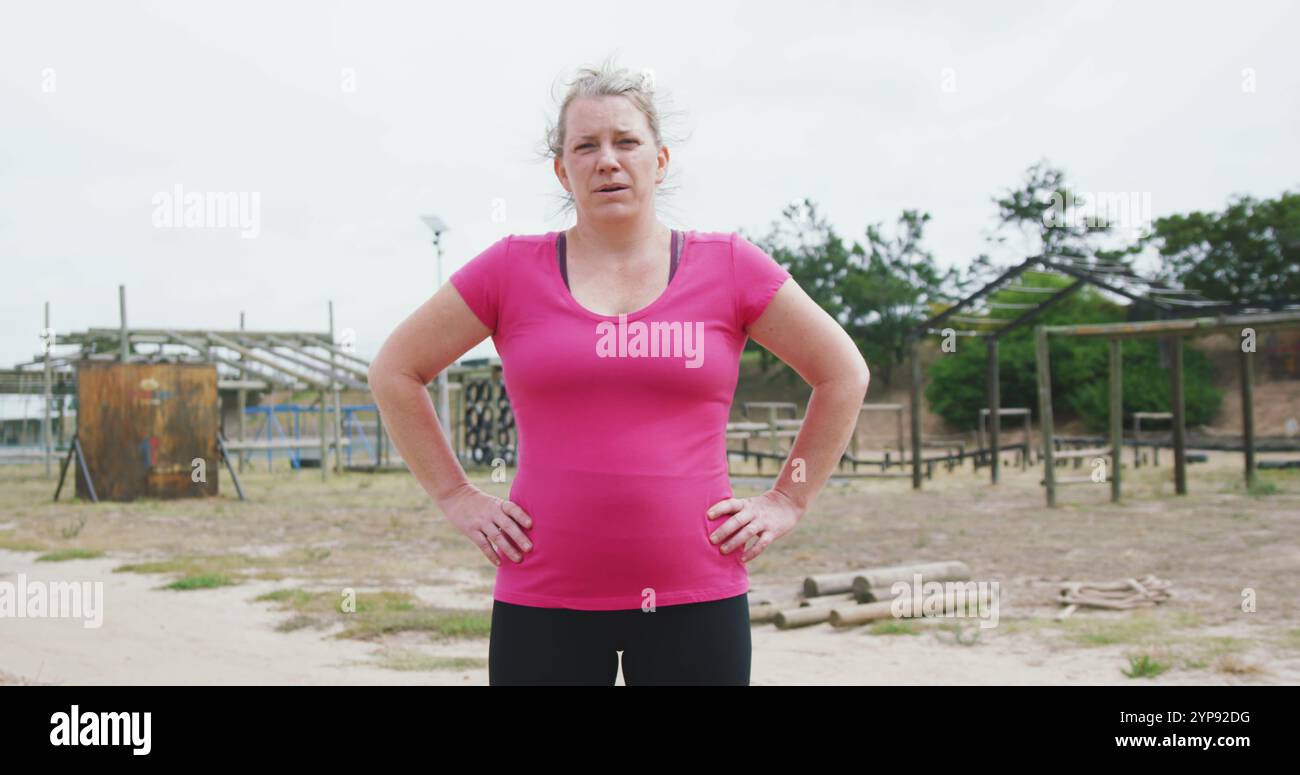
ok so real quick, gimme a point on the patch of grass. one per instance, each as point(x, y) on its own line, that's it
point(1186, 619)
point(894, 627)
point(1199, 653)
point(1026, 624)
point(74, 530)
point(297, 623)
point(438, 622)
point(205, 581)
point(291, 596)
point(195, 565)
point(20, 545)
point(70, 554)
point(313, 554)
point(1234, 664)
point(1144, 666)
point(414, 660)
point(368, 615)
point(958, 634)
point(1262, 488)
point(1138, 627)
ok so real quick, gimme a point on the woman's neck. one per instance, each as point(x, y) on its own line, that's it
point(618, 242)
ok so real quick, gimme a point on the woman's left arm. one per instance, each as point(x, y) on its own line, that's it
point(798, 331)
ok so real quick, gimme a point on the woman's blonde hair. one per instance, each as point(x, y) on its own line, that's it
point(606, 80)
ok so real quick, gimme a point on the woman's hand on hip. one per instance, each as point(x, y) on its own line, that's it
point(768, 516)
point(495, 525)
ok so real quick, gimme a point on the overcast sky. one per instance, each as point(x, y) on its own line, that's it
point(350, 120)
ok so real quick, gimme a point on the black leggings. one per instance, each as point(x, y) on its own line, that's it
point(688, 644)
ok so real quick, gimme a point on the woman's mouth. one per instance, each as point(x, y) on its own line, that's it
point(611, 190)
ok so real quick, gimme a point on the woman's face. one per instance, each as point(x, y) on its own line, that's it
point(607, 141)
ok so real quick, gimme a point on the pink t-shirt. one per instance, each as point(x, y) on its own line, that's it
point(621, 421)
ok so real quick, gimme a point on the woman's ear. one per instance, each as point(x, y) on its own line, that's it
point(562, 175)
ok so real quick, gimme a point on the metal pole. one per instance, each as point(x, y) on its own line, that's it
point(125, 338)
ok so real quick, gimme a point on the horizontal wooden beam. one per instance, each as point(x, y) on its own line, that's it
point(1183, 326)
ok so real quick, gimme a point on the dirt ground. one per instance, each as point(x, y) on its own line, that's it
point(261, 581)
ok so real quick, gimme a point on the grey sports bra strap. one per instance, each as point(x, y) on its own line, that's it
point(678, 240)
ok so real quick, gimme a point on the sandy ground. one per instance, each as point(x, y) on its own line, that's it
point(377, 532)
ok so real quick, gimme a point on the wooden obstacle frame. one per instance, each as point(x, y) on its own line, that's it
point(1173, 331)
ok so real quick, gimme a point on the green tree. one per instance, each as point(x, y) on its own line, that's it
point(893, 288)
point(809, 248)
point(1049, 215)
point(1248, 252)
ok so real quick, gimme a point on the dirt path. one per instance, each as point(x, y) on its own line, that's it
point(223, 636)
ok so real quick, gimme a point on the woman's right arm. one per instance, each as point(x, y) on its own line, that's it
point(428, 341)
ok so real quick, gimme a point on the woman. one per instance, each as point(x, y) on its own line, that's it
point(620, 340)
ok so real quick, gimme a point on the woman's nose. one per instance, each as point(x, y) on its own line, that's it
point(608, 159)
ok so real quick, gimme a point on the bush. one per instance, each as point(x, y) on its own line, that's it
point(957, 388)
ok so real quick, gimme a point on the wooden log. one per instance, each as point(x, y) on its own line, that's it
point(860, 614)
point(875, 584)
point(828, 600)
point(1083, 454)
point(849, 615)
point(1072, 480)
point(762, 612)
point(838, 583)
point(802, 617)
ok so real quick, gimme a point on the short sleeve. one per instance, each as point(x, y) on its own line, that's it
point(479, 282)
point(757, 278)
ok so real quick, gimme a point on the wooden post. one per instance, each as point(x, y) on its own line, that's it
point(1248, 411)
point(63, 419)
point(1024, 454)
point(243, 403)
point(1116, 417)
point(995, 406)
point(898, 417)
point(338, 412)
point(1041, 356)
point(45, 425)
point(1180, 417)
point(916, 411)
point(324, 455)
point(125, 337)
